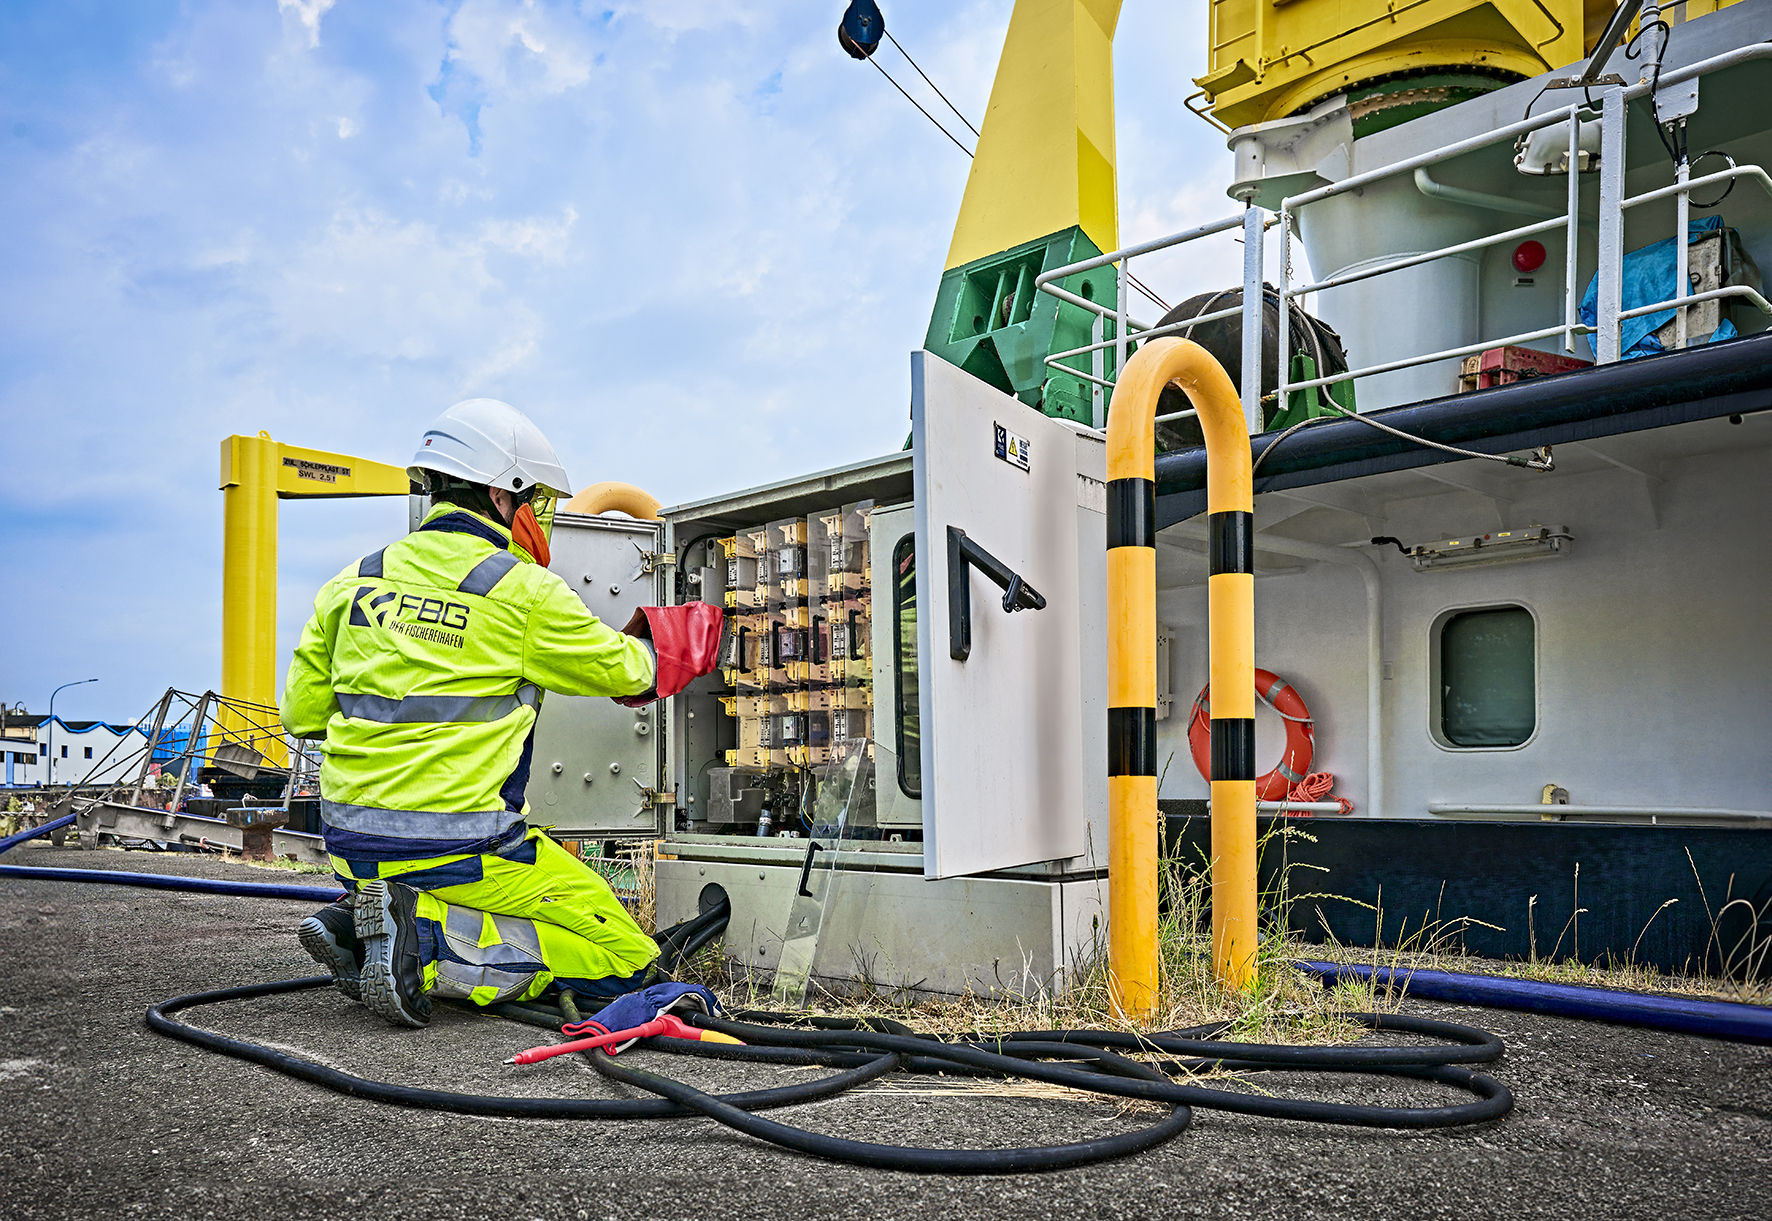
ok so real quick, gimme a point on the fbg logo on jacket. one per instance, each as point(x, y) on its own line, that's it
point(411, 616)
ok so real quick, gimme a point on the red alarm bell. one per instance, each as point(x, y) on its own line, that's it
point(1528, 256)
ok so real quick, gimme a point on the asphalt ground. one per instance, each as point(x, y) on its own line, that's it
point(101, 1117)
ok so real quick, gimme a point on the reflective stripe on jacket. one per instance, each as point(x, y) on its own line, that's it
point(422, 668)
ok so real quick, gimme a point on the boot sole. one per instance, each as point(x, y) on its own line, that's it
point(324, 950)
point(375, 929)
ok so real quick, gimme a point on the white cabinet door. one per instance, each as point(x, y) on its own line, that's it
point(593, 757)
point(1002, 732)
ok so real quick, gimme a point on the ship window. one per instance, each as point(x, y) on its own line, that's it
point(89, 752)
point(1488, 677)
point(904, 665)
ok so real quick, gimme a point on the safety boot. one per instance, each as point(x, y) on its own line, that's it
point(392, 979)
point(330, 938)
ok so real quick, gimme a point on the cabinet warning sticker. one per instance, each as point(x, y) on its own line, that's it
point(1011, 448)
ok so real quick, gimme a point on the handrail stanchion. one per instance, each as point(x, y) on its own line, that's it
point(1682, 226)
point(1121, 314)
point(1098, 383)
point(1132, 670)
point(1571, 238)
point(1252, 316)
point(1285, 341)
point(1610, 296)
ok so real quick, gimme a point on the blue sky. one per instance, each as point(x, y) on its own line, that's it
point(694, 241)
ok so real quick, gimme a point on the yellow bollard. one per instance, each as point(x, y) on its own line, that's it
point(1132, 676)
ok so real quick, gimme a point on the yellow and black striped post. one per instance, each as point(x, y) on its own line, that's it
point(1132, 669)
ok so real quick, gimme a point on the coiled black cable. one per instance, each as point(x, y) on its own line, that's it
point(1088, 1060)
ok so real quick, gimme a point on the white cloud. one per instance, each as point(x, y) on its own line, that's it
point(347, 128)
point(532, 236)
point(308, 14)
point(521, 48)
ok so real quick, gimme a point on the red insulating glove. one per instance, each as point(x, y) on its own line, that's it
point(687, 641)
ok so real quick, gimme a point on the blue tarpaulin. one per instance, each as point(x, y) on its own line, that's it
point(1649, 277)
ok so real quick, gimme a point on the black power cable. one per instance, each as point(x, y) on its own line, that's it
point(1088, 1060)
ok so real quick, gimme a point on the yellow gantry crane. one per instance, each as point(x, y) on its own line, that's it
point(257, 472)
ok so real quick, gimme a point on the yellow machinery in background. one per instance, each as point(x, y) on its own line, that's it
point(257, 472)
point(1269, 60)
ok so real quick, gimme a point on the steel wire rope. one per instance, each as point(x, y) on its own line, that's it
point(1136, 282)
point(913, 101)
point(938, 93)
point(1337, 411)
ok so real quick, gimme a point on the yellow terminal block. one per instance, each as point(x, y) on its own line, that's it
point(809, 756)
point(809, 701)
point(802, 672)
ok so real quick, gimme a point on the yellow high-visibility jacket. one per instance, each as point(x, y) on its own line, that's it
point(422, 668)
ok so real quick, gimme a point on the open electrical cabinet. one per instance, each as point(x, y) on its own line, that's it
point(898, 772)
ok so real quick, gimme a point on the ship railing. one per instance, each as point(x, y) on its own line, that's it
point(1610, 315)
point(1127, 330)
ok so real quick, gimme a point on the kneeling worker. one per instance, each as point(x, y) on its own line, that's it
point(422, 668)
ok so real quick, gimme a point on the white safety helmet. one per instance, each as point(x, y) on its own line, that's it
point(492, 443)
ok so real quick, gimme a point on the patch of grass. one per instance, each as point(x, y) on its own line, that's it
point(632, 873)
point(1437, 944)
point(282, 864)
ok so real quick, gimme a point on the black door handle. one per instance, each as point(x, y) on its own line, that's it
point(806, 869)
point(963, 555)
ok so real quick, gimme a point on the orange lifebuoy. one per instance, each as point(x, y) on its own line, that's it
point(1295, 761)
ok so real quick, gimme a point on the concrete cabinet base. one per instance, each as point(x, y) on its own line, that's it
point(987, 935)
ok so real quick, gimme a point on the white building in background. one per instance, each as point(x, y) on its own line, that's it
point(75, 752)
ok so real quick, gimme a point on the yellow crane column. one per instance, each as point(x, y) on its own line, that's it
point(256, 472)
point(249, 572)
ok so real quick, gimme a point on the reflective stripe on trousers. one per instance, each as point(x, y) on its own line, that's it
point(508, 965)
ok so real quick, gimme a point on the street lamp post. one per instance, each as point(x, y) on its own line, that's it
point(52, 696)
